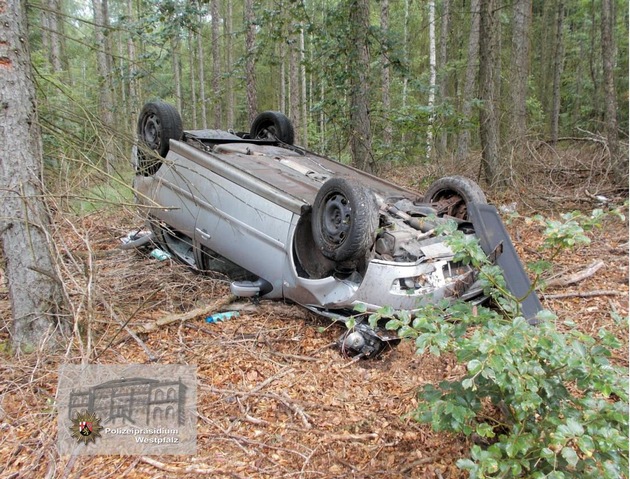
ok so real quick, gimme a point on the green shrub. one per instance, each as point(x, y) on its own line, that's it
point(535, 401)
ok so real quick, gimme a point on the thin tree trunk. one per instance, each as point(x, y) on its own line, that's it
point(432, 77)
point(445, 29)
point(216, 64)
point(193, 82)
point(619, 164)
point(522, 14)
point(55, 51)
point(250, 61)
point(488, 116)
point(472, 67)
point(558, 65)
point(131, 61)
point(228, 64)
point(105, 88)
point(386, 80)
point(35, 291)
point(201, 73)
point(177, 72)
point(303, 103)
point(294, 86)
point(360, 126)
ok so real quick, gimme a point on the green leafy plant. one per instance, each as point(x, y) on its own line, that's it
point(535, 401)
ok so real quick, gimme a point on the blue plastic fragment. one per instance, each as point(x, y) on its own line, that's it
point(215, 318)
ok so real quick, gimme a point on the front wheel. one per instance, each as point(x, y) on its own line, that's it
point(452, 194)
point(345, 218)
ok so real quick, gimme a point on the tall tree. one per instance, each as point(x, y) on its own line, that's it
point(472, 68)
point(620, 167)
point(386, 74)
point(34, 287)
point(432, 76)
point(445, 29)
point(360, 124)
point(519, 74)
point(202, 70)
point(488, 115)
point(250, 61)
point(216, 64)
point(228, 61)
point(558, 65)
point(106, 97)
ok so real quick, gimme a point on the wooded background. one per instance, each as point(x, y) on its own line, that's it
point(375, 83)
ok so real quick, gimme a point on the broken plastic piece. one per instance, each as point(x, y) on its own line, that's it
point(160, 255)
point(215, 318)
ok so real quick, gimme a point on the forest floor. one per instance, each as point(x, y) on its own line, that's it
point(275, 397)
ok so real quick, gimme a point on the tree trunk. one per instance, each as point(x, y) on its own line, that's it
point(522, 14)
point(54, 35)
point(386, 80)
point(360, 126)
point(105, 88)
point(304, 114)
point(177, 72)
point(445, 29)
point(294, 84)
point(192, 61)
point(432, 77)
point(34, 287)
point(228, 64)
point(216, 64)
point(472, 67)
point(133, 107)
point(619, 164)
point(488, 117)
point(250, 62)
point(202, 73)
point(558, 65)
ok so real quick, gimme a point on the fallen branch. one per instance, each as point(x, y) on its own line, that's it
point(187, 469)
point(577, 277)
point(350, 437)
point(195, 313)
point(578, 294)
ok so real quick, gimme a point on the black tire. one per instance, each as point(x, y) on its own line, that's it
point(448, 190)
point(345, 218)
point(273, 125)
point(158, 123)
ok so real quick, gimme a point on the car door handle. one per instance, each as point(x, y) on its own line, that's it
point(203, 233)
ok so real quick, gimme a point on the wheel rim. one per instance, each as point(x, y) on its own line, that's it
point(336, 219)
point(151, 129)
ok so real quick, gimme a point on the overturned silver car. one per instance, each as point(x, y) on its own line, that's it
point(284, 222)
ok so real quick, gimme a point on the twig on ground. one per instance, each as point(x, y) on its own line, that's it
point(188, 469)
point(579, 276)
point(195, 313)
point(587, 294)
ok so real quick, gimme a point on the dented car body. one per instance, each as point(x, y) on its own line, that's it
point(284, 222)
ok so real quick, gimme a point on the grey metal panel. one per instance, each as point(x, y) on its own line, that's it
point(248, 171)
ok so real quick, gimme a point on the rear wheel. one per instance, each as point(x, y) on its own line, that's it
point(452, 194)
point(158, 123)
point(273, 125)
point(344, 221)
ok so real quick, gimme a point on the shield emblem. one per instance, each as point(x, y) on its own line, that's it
point(85, 428)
